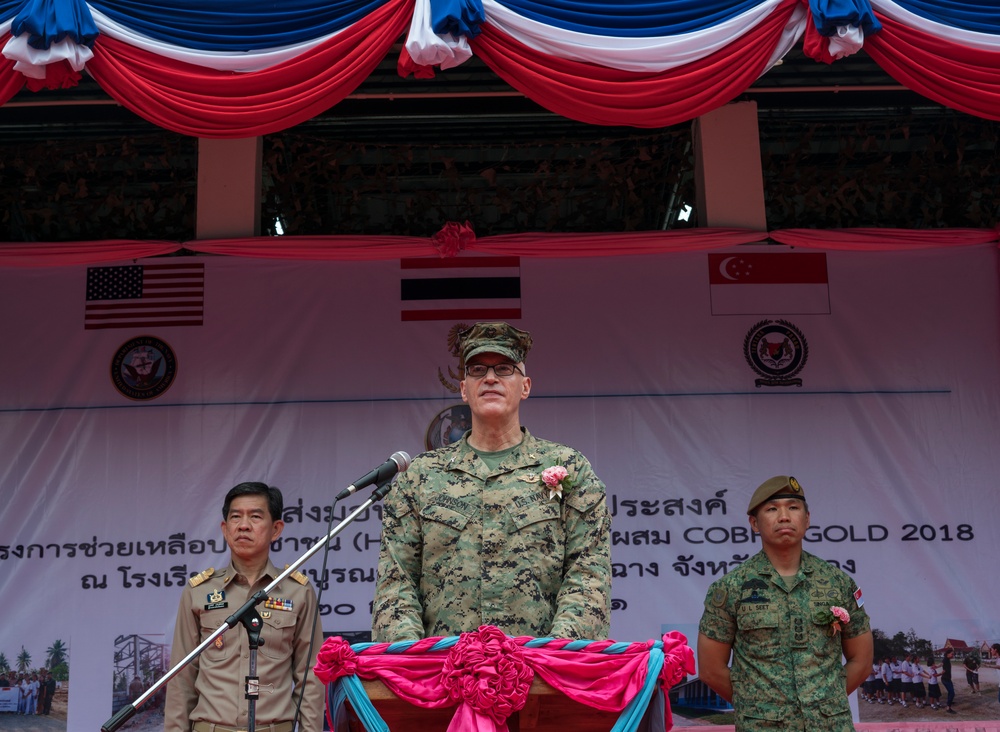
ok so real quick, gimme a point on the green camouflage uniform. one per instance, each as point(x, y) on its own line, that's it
point(464, 546)
point(787, 671)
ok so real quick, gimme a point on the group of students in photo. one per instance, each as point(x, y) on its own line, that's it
point(907, 682)
point(35, 690)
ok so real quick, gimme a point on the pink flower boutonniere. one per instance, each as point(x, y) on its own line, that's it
point(557, 479)
point(835, 617)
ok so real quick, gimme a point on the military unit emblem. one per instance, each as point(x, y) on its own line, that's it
point(143, 368)
point(216, 600)
point(448, 426)
point(753, 592)
point(776, 350)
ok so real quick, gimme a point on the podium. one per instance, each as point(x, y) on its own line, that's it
point(547, 710)
point(486, 680)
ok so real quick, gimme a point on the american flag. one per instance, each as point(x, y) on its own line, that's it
point(145, 295)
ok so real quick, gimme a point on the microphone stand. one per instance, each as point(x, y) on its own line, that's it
point(251, 620)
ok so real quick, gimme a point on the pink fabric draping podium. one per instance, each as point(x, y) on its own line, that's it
point(487, 675)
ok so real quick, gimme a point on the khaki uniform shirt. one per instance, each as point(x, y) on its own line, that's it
point(464, 546)
point(212, 687)
point(787, 670)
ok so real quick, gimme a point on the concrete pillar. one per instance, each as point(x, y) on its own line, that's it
point(229, 188)
point(728, 176)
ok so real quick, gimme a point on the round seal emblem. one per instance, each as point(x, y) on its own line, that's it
point(776, 350)
point(448, 426)
point(143, 368)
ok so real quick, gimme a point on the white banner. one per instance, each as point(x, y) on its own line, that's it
point(8, 699)
point(117, 444)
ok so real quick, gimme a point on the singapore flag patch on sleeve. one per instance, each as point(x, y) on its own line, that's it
point(857, 597)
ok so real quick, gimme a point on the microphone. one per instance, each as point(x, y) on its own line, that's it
point(398, 462)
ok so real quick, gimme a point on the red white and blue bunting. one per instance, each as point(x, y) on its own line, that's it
point(214, 69)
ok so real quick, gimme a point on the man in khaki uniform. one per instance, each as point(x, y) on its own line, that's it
point(773, 614)
point(473, 535)
point(208, 695)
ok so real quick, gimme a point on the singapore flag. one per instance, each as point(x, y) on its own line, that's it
point(768, 283)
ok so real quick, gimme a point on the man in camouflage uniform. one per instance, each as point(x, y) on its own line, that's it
point(773, 615)
point(473, 536)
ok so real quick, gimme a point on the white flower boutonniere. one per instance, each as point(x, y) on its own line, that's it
point(556, 479)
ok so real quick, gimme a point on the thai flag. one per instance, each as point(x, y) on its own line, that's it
point(460, 288)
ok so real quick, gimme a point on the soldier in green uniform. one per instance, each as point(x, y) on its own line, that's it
point(474, 535)
point(208, 694)
point(777, 615)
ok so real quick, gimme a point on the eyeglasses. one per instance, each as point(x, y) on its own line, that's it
point(502, 370)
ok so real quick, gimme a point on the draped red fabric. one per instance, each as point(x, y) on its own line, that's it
point(603, 96)
point(319, 248)
point(956, 76)
point(429, 676)
point(10, 81)
point(415, 679)
point(365, 248)
point(64, 254)
point(202, 102)
point(874, 240)
point(615, 244)
point(371, 248)
point(605, 681)
point(814, 45)
point(601, 681)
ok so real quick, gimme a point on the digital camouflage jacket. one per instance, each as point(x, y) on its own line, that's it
point(464, 546)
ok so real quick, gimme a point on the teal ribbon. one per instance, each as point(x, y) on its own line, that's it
point(631, 716)
point(350, 688)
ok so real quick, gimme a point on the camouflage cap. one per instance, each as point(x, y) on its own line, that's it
point(780, 486)
point(494, 338)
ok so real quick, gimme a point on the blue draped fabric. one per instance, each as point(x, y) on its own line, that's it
point(224, 25)
point(631, 18)
point(8, 8)
point(828, 14)
point(982, 16)
point(50, 21)
point(458, 17)
point(221, 25)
